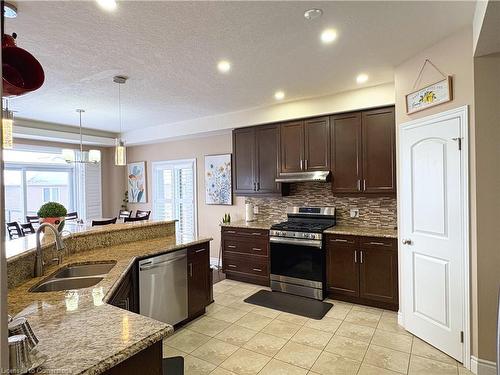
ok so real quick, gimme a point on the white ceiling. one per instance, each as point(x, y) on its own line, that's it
point(170, 51)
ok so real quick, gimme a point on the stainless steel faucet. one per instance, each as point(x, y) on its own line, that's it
point(39, 256)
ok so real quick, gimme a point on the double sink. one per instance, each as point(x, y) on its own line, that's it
point(74, 276)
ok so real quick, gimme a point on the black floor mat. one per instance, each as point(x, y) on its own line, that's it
point(310, 308)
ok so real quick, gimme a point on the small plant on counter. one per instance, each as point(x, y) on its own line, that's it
point(53, 213)
point(226, 219)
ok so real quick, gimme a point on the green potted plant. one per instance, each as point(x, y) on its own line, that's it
point(53, 213)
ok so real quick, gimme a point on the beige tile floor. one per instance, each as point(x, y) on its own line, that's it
point(234, 337)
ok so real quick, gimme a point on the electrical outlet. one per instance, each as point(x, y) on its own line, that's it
point(255, 209)
point(354, 212)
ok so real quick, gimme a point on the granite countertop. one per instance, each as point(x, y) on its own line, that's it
point(22, 245)
point(363, 231)
point(78, 331)
point(338, 229)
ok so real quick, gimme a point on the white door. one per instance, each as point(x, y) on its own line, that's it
point(432, 199)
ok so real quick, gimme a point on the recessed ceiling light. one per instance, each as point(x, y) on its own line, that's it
point(224, 66)
point(328, 36)
point(108, 5)
point(361, 78)
point(279, 95)
point(313, 13)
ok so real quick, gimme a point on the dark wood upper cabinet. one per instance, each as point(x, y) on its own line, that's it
point(267, 140)
point(346, 152)
point(256, 160)
point(317, 144)
point(244, 160)
point(292, 146)
point(379, 155)
point(198, 278)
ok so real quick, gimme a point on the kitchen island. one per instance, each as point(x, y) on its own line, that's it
point(79, 331)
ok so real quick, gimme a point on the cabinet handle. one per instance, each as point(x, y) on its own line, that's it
point(256, 249)
point(355, 256)
point(190, 266)
point(361, 256)
point(231, 246)
point(359, 185)
point(377, 243)
point(301, 164)
point(256, 234)
point(364, 184)
point(232, 266)
point(254, 186)
point(258, 186)
point(305, 162)
point(127, 304)
point(339, 240)
point(200, 250)
point(231, 231)
point(257, 269)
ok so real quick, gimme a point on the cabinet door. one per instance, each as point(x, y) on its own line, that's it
point(317, 144)
point(244, 160)
point(379, 155)
point(292, 146)
point(342, 266)
point(346, 152)
point(126, 296)
point(198, 278)
point(378, 273)
point(267, 160)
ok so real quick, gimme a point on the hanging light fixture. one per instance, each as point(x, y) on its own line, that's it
point(120, 150)
point(7, 128)
point(85, 157)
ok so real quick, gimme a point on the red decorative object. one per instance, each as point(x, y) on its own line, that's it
point(22, 73)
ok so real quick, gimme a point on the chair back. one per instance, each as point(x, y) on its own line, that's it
point(141, 218)
point(141, 213)
point(96, 223)
point(124, 213)
point(33, 219)
point(28, 228)
point(14, 230)
point(72, 216)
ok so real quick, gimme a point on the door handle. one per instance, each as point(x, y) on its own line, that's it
point(406, 241)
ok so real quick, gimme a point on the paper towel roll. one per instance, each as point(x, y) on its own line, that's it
point(249, 216)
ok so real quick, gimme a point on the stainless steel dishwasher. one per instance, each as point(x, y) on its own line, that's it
point(163, 287)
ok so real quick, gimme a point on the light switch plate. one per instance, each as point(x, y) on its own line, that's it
point(354, 212)
point(255, 209)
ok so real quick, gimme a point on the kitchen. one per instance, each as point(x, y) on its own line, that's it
point(265, 230)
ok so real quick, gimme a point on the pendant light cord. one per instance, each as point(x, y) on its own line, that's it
point(81, 136)
point(120, 110)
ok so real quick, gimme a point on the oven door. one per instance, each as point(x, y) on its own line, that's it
point(297, 266)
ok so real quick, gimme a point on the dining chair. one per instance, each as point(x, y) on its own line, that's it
point(124, 213)
point(72, 216)
point(28, 228)
point(141, 213)
point(33, 219)
point(14, 230)
point(140, 218)
point(96, 223)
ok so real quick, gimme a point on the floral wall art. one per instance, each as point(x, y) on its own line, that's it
point(136, 178)
point(218, 184)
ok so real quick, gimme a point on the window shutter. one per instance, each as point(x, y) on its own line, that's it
point(89, 191)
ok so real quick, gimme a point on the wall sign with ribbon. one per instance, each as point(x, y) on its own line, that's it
point(429, 96)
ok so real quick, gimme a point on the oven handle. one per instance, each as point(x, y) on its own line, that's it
point(296, 241)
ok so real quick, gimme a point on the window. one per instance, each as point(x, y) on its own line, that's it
point(36, 175)
point(174, 196)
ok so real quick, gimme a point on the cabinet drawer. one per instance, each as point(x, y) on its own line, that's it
point(246, 264)
point(248, 247)
point(245, 232)
point(378, 242)
point(199, 253)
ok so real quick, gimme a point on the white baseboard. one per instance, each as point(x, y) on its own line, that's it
point(482, 367)
point(400, 319)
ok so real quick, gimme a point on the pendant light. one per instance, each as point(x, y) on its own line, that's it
point(85, 157)
point(7, 128)
point(120, 150)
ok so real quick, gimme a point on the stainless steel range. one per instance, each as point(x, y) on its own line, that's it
point(298, 259)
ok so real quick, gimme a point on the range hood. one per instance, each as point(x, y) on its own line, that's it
point(321, 176)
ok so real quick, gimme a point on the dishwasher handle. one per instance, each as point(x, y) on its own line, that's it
point(151, 266)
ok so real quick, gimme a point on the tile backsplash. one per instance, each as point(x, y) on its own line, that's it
point(373, 211)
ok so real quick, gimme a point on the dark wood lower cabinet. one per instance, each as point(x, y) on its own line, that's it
point(147, 362)
point(126, 295)
point(198, 279)
point(245, 255)
point(363, 270)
